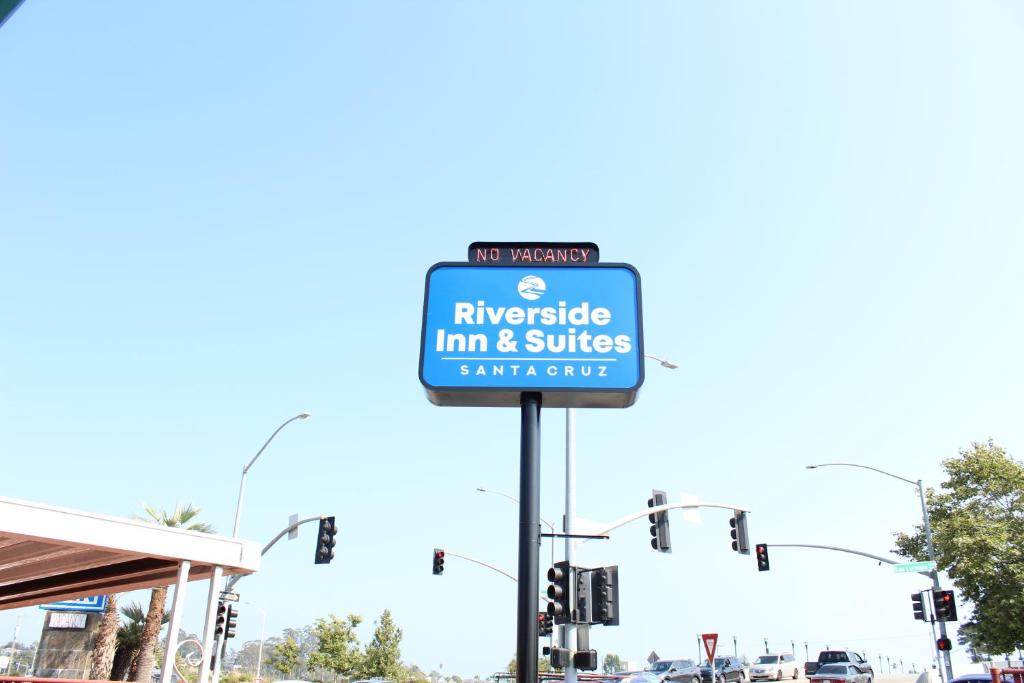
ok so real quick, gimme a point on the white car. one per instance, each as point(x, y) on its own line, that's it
point(774, 667)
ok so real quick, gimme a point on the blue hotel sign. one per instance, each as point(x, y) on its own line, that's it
point(96, 603)
point(571, 332)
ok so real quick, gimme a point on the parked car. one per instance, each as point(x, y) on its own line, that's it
point(981, 678)
point(840, 657)
point(840, 673)
point(774, 667)
point(675, 671)
point(726, 669)
point(639, 677)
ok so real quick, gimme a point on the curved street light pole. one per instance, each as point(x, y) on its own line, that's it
point(263, 629)
point(481, 489)
point(245, 470)
point(664, 363)
point(947, 668)
point(211, 645)
point(569, 521)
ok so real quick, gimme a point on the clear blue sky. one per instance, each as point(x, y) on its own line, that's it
point(214, 216)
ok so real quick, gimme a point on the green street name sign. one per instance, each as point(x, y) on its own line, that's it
point(914, 567)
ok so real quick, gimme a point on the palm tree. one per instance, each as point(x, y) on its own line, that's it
point(129, 636)
point(181, 518)
point(106, 642)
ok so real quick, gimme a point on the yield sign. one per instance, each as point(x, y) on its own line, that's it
point(710, 643)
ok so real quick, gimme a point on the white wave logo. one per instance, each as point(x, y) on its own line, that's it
point(531, 288)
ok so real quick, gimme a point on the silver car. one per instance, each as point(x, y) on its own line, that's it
point(675, 671)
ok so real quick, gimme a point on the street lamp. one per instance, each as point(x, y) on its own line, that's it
point(210, 643)
point(481, 489)
point(245, 470)
point(664, 363)
point(263, 628)
point(514, 500)
point(948, 669)
point(570, 511)
point(735, 649)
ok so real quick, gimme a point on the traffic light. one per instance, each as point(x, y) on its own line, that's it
point(438, 561)
point(325, 541)
point(762, 557)
point(660, 540)
point(585, 660)
point(740, 540)
point(222, 615)
point(943, 645)
point(559, 657)
point(545, 624)
point(945, 605)
point(558, 591)
point(230, 621)
point(917, 599)
point(604, 596)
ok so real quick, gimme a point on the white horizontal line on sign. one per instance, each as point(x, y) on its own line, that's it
point(571, 360)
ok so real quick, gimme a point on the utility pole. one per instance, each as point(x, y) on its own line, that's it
point(14, 645)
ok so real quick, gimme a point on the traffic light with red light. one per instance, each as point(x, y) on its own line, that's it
point(762, 557)
point(660, 539)
point(545, 624)
point(740, 540)
point(438, 561)
point(325, 541)
point(943, 644)
point(945, 605)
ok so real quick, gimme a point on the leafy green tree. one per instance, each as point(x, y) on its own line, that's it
point(383, 658)
point(543, 665)
point(285, 656)
point(248, 656)
point(21, 662)
point(181, 518)
point(611, 663)
point(338, 646)
point(978, 532)
point(413, 674)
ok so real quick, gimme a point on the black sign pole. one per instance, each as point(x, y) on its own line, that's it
point(529, 538)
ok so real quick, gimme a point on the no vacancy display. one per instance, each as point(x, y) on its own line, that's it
point(572, 333)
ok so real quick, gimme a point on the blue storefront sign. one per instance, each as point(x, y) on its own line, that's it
point(572, 333)
point(96, 603)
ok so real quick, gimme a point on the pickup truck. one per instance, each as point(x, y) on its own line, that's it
point(839, 657)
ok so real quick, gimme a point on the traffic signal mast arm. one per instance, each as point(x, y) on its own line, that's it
point(842, 550)
point(449, 553)
point(590, 527)
point(234, 579)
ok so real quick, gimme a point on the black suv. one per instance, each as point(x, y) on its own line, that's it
point(726, 669)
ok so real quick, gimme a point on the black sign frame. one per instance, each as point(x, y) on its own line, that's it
point(511, 253)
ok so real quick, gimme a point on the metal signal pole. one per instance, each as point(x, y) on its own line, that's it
point(529, 538)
